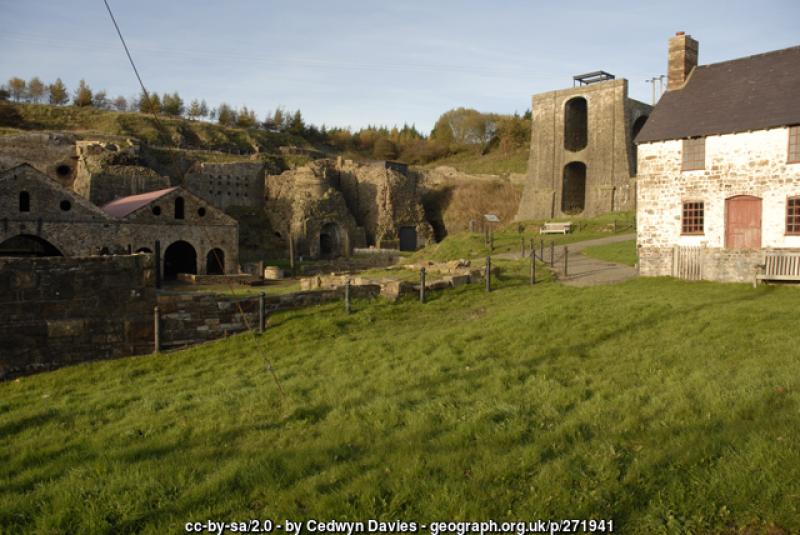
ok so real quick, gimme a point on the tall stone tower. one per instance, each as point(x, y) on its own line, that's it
point(582, 158)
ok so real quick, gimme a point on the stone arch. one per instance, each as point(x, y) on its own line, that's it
point(576, 131)
point(179, 257)
point(330, 240)
point(215, 262)
point(146, 250)
point(573, 192)
point(28, 245)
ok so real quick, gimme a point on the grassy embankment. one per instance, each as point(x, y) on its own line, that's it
point(667, 406)
point(496, 162)
point(623, 252)
point(168, 131)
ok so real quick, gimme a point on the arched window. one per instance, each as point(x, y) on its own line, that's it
point(179, 208)
point(24, 201)
point(575, 124)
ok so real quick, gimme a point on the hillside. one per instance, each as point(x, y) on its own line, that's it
point(635, 403)
point(226, 142)
point(173, 132)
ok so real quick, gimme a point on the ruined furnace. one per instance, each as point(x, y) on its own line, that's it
point(582, 158)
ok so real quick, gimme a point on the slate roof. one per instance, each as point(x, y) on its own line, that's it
point(751, 93)
point(126, 205)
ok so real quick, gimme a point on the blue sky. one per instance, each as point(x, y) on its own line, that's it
point(353, 63)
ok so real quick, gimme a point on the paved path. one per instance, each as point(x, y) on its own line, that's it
point(583, 270)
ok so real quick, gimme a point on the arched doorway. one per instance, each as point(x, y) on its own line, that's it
point(575, 124)
point(215, 262)
point(573, 193)
point(180, 257)
point(408, 239)
point(28, 245)
point(330, 241)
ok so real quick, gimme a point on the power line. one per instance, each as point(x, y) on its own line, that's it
point(216, 255)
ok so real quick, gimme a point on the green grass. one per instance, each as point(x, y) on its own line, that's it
point(670, 407)
point(623, 252)
point(495, 162)
point(507, 238)
point(168, 131)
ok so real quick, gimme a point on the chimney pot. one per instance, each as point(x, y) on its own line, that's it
point(680, 33)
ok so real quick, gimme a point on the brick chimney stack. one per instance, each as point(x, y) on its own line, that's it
point(683, 52)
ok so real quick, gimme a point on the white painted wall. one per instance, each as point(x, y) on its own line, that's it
point(750, 163)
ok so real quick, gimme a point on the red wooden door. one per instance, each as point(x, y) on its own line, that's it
point(743, 222)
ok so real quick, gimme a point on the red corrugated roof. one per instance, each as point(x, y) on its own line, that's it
point(126, 205)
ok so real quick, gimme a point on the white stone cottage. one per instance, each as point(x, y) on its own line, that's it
point(718, 185)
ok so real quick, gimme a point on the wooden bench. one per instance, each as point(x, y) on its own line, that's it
point(555, 228)
point(779, 266)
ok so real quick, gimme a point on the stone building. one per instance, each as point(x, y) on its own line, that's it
point(39, 217)
point(582, 159)
point(719, 172)
point(228, 184)
point(330, 207)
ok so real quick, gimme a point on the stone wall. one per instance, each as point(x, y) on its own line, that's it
point(76, 227)
point(190, 318)
point(607, 154)
point(51, 153)
point(751, 163)
point(58, 311)
point(228, 184)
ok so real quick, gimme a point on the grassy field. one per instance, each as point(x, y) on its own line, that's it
point(496, 162)
point(507, 238)
point(623, 252)
point(669, 407)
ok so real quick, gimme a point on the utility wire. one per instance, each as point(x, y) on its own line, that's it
point(216, 255)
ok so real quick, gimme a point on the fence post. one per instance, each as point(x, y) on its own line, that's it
point(422, 285)
point(533, 247)
point(533, 267)
point(566, 255)
point(522, 247)
point(488, 274)
point(261, 315)
point(491, 239)
point(156, 330)
point(552, 253)
point(347, 307)
point(541, 250)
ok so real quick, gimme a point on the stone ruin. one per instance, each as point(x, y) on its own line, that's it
point(329, 207)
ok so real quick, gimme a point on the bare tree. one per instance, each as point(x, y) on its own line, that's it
point(120, 103)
